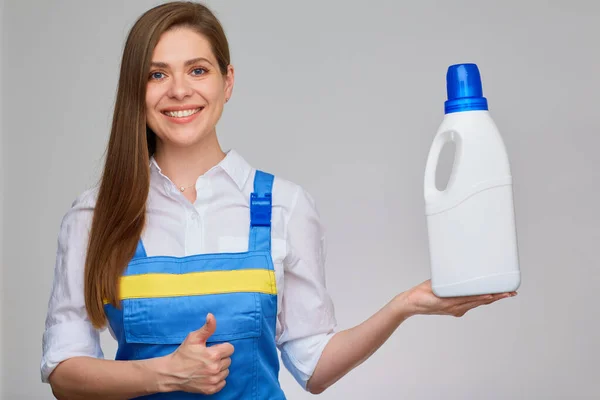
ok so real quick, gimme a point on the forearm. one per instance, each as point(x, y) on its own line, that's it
point(348, 349)
point(90, 378)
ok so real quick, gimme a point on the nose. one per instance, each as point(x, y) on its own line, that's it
point(180, 88)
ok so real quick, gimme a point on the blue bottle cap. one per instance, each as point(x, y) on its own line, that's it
point(463, 84)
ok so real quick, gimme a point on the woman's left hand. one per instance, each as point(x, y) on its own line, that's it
point(421, 300)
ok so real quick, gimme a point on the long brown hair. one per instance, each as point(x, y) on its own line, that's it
point(120, 211)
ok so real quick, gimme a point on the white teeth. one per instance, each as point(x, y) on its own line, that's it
point(183, 113)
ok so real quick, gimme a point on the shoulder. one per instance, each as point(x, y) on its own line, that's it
point(285, 190)
point(291, 195)
point(86, 199)
point(80, 214)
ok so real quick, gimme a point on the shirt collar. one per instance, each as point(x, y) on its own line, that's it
point(234, 165)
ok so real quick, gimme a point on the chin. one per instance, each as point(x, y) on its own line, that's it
point(187, 140)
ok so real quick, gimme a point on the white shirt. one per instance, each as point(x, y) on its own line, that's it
point(218, 221)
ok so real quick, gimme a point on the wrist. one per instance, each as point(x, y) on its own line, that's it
point(403, 307)
point(158, 377)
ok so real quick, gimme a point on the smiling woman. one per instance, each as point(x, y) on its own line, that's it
point(186, 91)
point(199, 287)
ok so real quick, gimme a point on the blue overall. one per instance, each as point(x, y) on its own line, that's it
point(165, 298)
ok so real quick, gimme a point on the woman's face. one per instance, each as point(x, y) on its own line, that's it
point(186, 90)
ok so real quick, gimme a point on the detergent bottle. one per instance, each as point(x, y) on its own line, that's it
point(471, 223)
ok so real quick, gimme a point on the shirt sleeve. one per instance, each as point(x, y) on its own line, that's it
point(307, 318)
point(69, 332)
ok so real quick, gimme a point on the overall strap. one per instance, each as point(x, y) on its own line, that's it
point(260, 212)
point(140, 251)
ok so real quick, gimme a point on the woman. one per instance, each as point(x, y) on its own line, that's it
point(200, 265)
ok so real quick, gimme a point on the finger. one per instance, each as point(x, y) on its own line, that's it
point(465, 301)
point(500, 296)
point(201, 335)
point(217, 381)
point(225, 363)
point(489, 300)
point(223, 350)
point(482, 298)
point(461, 309)
point(479, 297)
point(222, 375)
point(218, 387)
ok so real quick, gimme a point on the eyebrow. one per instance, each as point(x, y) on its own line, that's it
point(158, 64)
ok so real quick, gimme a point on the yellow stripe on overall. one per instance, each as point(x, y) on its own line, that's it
point(153, 285)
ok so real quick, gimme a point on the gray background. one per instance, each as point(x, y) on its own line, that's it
point(342, 97)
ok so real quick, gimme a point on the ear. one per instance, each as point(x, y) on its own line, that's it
point(229, 80)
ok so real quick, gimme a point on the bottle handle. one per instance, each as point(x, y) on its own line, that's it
point(431, 192)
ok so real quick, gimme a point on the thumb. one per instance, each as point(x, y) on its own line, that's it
point(202, 334)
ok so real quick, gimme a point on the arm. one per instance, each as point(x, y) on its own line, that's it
point(192, 368)
point(348, 349)
point(92, 378)
point(315, 355)
point(72, 360)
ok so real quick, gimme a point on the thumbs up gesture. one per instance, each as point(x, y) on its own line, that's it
point(195, 368)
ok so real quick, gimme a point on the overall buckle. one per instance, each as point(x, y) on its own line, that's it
point(260, 209)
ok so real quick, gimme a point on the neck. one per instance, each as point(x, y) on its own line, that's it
point(183, 165)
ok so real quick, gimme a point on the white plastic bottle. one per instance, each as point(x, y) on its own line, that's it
point(471, 224)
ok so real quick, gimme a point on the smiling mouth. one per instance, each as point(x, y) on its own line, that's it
point(182, 113)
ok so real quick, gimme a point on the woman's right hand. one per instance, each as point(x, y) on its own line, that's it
point(196, 368)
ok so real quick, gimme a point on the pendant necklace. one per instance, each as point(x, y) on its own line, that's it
point(183, 188)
